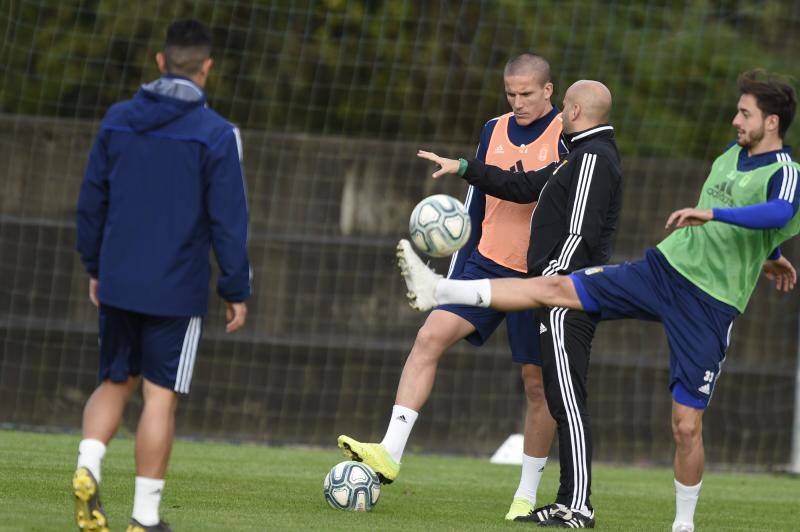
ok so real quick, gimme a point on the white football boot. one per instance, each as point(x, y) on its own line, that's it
point(420, 280)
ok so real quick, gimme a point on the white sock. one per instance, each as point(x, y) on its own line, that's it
point(532, 469)
point(476, 293)
point(399, 430)
point(146, 500)
point(685, 503)
point(90, 456)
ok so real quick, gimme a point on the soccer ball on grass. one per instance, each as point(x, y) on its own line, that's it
point(352, 486)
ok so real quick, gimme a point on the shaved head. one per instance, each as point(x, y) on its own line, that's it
point(587, 103)
point(593, 97)
point(528, 64)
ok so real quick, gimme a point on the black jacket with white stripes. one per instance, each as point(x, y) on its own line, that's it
point(579, 200)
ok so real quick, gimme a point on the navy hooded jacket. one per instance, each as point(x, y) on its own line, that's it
point(163, 184)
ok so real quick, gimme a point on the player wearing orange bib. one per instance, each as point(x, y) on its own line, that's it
point(506, 228)
point(527, 138)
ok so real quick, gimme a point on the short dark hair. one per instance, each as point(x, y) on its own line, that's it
point(529, 63)
point(188, 46)
point(773, 94)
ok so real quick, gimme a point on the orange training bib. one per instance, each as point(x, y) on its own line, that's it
point(507, 225)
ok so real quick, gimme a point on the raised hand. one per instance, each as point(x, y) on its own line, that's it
point(446, 166)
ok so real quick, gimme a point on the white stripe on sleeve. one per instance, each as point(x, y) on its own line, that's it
point(454, 258)
point(585, 175)
point(789, 182)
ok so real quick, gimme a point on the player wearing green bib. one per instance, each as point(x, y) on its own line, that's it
point(725, 259)
point(695, 282)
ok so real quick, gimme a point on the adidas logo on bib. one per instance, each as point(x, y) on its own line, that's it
point(499, 149)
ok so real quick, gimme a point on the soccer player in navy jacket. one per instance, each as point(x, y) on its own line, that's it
point(163, 184)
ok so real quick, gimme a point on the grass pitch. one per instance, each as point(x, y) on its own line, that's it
point(212, 487)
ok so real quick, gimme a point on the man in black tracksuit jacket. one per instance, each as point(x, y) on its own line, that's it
point(572, 227)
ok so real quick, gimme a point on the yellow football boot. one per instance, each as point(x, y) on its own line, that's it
point(89, 514)
point(374, 455)
point(520, 510)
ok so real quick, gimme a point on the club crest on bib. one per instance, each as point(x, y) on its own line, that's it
point(543, 152)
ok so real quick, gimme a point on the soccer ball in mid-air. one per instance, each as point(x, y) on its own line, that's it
point(352, 486)
point(439, 225)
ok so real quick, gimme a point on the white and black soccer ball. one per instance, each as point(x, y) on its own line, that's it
point(352, 486)
point(439, 225)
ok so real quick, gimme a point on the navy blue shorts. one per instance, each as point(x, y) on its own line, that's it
point(162, 349)
point(523, 327)
point(698, 326)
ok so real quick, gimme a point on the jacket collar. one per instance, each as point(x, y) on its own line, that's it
point(176, 87)
point(577, 137)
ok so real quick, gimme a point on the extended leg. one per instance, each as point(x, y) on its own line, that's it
point(427, 289)
point(536, 292)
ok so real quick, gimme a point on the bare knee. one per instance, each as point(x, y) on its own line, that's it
point(429, 344)
point(687, 430)
point(441, 330)
point(559, 291)
point(550, 291)
point(159, 397)
point(119, 389)
point(534, 385)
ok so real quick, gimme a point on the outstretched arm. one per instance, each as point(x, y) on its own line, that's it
point(772, 214)
point(504, 184)
point(782, 204)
